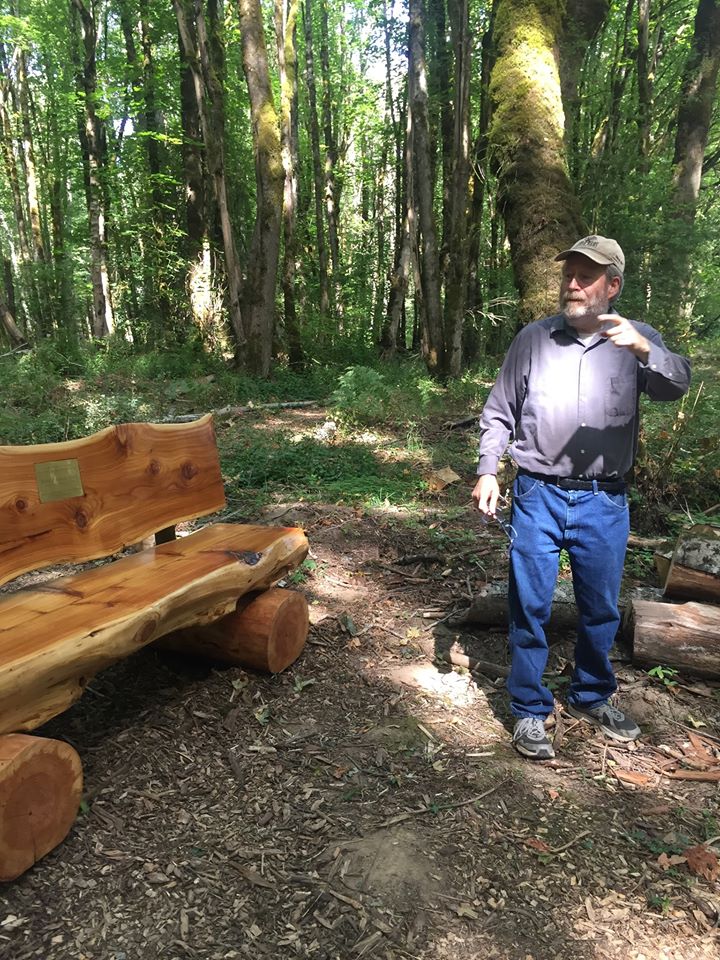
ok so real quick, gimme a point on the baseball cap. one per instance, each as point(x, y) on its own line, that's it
point(600, 249)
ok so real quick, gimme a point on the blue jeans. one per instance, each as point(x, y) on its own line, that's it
point(592, 526)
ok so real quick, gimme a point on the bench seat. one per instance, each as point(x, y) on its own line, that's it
point(56, 637)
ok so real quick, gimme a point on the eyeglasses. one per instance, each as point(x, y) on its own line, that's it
point(507, 528)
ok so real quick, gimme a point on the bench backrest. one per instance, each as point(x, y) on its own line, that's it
point(89, 498)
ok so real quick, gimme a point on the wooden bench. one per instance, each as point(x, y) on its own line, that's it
point(91, 498)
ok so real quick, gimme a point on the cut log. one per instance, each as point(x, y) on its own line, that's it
point(681, 635)
point(40, 790)
point(695, 567)
point(490, 609)
point(266, 631)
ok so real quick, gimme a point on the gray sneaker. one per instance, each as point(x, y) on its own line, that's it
point(613, 722)
point(529, 739)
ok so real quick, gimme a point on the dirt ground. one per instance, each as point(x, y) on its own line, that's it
point(367, 802)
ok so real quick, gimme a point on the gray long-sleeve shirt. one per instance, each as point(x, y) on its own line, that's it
point(570, 408)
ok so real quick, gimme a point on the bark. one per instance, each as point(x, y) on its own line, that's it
point(441, 93)
point(535, 195)
point(433, 350)
point(12, 331)
point(103, 321)
point(322, 253)
point(286, 14)
point(479, 170)
point(695, 112)
point(645, 86)
point(332, 211)
point(685, 636)
point(406, 243)
point(457, 196)
point(39, 254)
point(259, 292)
point(581, 21)
point(694, 572)
point(193, 166)
point(203, 49)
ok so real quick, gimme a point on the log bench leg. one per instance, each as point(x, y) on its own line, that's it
point(266, 631)
point(40, 790)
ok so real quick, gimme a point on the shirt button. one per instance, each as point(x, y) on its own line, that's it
point(654, 366)
point(582, 451)
point(583, 424)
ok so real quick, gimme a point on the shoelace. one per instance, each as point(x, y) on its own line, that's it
point(615, 714)
point(530, 727)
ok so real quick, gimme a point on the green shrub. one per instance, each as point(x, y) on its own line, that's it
point(361, 396)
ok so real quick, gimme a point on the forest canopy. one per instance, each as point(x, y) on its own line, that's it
point(289, 182)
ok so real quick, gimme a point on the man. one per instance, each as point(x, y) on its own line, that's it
point(566, 398)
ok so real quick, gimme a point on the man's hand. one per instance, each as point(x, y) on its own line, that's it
point(486, 493)
point(623, 334)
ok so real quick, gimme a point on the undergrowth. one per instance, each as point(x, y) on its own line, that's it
point(52, 395)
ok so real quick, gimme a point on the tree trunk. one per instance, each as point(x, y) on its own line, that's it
point(406, 243)
point(332, 212)
point(645, 86)
point(581, 21)
point(322, 254)
point(12, 331)
point(207, 70)
point(695, 111)
point(39, 254)
point(259, 292)
point(431, 316)
point(103, 321)
point(536, 197)
point(286, 14)
point(457, 196)
point(685, 636)
point(479, 165)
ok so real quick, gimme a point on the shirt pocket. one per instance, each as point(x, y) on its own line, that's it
point(620, 396)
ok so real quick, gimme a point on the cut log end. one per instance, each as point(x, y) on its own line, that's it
point(266, 632)
point(40, 791)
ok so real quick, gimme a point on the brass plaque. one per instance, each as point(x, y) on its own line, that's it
point(58, 480)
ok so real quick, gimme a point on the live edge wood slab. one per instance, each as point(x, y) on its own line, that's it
point(210, 591)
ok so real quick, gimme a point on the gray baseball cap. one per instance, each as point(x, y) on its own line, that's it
point(600, 249)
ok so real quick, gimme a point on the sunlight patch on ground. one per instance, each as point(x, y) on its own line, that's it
point(452, 689)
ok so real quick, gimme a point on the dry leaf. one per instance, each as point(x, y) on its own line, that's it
point(702, 861)
point(537, 845)
point(439, 479)
point(633, 777)
point(665, 862)
point(553, 794)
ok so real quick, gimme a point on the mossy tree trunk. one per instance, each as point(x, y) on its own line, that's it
point(264, 253)
point(527, 147)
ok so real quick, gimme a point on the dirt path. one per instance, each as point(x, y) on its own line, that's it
point(367, 803)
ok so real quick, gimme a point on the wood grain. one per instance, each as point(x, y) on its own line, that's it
point(55, 638)
point(137, 478)
point(40, 790)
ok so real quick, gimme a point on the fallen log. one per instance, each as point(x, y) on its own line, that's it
point(681, 635)
point(694, 572)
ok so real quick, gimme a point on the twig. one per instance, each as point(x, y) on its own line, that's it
point(566, 846)
point(236, 411)
point(445, 806)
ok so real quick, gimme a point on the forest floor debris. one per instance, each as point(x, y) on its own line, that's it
point(367, 803)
